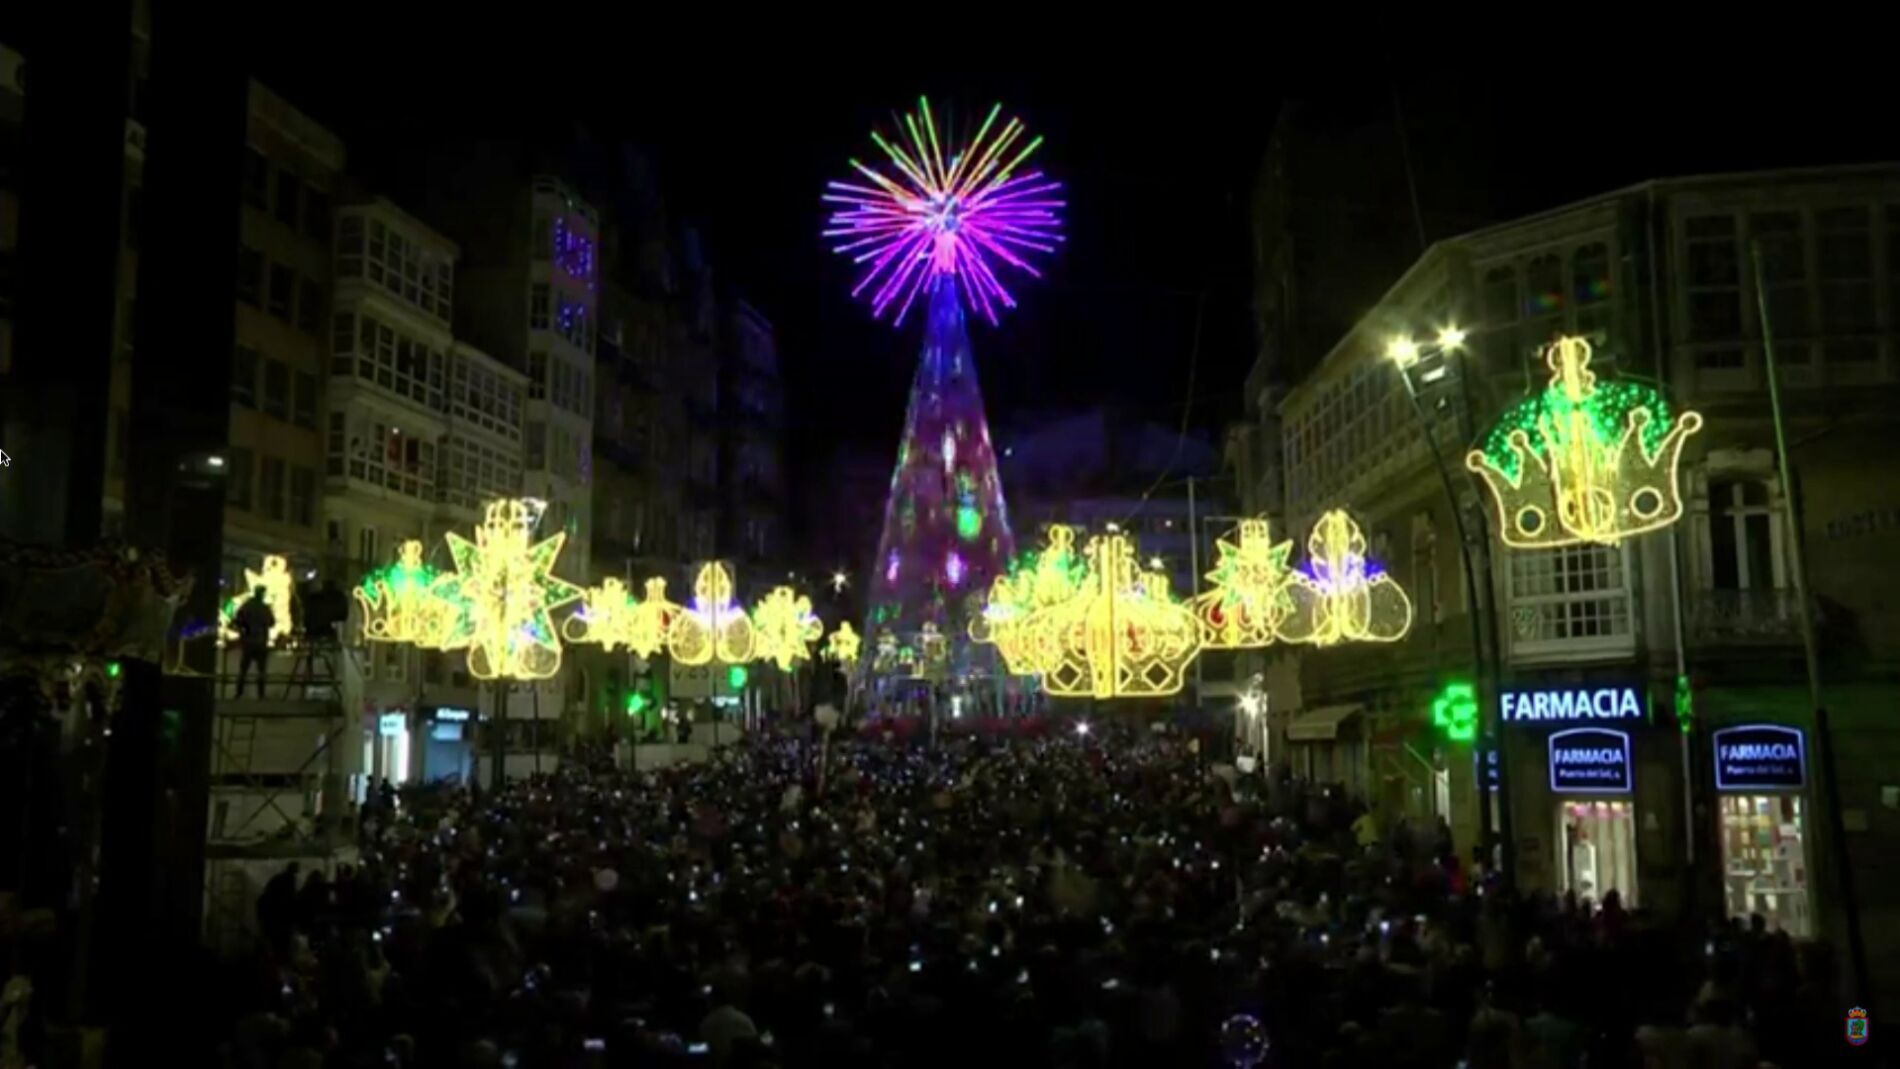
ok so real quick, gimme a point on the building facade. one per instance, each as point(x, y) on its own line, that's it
point(1700, 621)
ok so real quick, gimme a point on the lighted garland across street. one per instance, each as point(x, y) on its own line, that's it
point(714, 628)
point(506, 586)
point(841, 646)
point(1037, 581)
point(279, 595)
point(1584, 461)
point(400, 602)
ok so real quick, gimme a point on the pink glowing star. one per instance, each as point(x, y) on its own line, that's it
point(939, 214)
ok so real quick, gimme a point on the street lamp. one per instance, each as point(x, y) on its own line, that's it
point(1407, 354)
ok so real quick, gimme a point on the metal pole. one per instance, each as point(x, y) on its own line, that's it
point(1682, 670)
point(1487, 691)
point(1194, 576)
point(496, 770)
point(1823, 736)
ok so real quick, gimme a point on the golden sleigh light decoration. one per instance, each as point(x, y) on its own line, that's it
point(401, 603)
point(1341, 596)
point(714, 628)
point(1253, 590)
point(1584, 461)
point(784, 627)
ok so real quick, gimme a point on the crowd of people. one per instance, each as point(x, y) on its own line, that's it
point(1050, 899)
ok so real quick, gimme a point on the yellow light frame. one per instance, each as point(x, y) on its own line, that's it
point(1343, 597)
point(1121, 636)
point(1252, 595)
point(785, 627)
point(506, 584)
point(714, 628)
point(842, 644)
point(280, 592)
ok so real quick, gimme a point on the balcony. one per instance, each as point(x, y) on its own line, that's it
point(1744, 617)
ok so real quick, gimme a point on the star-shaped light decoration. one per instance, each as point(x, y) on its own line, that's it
point(842, 645)
point(506, 584)
point(785, 628)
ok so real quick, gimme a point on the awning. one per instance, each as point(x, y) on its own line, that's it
point(1322, 724)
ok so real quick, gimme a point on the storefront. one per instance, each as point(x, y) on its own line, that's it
point(1761, 775)
point(386, 747)
point(449, 750)
point(1573, 756)
point(1328, 745)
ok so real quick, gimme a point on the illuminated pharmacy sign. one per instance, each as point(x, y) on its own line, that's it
point(1571, 704)
point(1590, 760)
point(1760, 757)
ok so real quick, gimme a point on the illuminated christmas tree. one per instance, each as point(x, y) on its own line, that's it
point(932, 229)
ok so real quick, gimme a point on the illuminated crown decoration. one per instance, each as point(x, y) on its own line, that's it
point(1583, 461)
point(611, 617)
point(400, 602)
point(1039, 582)
point(279, 595)
point(785, 628)
point(842, 645)
point(1341, 596)
point(1252, 595)
point(505, 586)
point(1122, 635)
point(714, 628)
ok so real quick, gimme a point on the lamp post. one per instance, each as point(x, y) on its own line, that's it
point(1406, 354)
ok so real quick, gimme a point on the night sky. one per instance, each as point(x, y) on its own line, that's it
point(1157, 138)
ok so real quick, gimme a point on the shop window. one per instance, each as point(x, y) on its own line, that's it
point(1764, 860)
point(1597, 840)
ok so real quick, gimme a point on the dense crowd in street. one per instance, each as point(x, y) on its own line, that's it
point(1039, 899)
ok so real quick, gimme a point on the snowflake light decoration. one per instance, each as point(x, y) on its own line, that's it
point(785, 628)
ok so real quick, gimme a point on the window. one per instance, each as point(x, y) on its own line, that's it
point(537, 376)
point(1570, 598)
point(1544, 298)
point(366, 547)
point(316, 214)
point(1744, 536)
point(333, 446)
point(310, 307)
point(256, 179)
point(535, 443)
point(1590, 287)
point(1844, 260)
point(1715, 279)
point(237, 478)
point(283, 284)
point(394, 361)
point(289, 199)
point(542, 243)
point(303, 497)
point(1784, 269)
point(303, 400)
point(270, 488)
point(250, 276)
point(244, 376)
point(538, 307)
point(349, 247)
point(276, 389)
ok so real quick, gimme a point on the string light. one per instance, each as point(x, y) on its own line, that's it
point(1583, 461)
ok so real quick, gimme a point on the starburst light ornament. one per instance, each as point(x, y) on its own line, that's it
point(1252, 593)
point(279, 595)
point(1341, 596)
point(506, 584)
point(785, 627)
point(1122, 636)
point(1584, 461)
point(942, 209)
point(714, 628)
point(841, 646)
point(401, 603)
